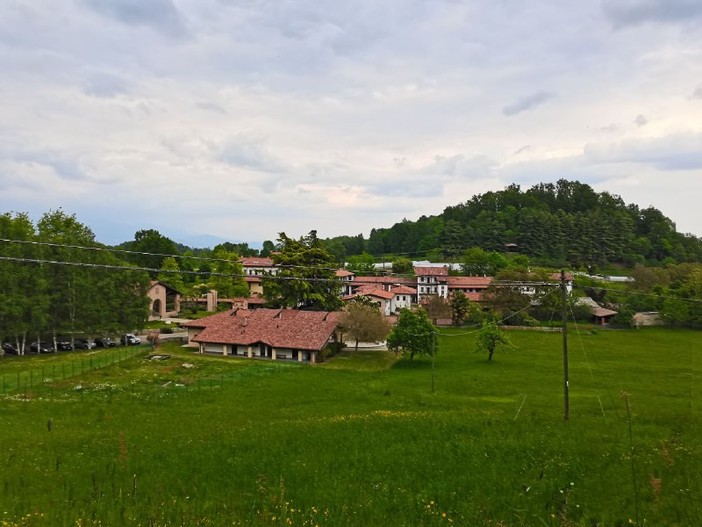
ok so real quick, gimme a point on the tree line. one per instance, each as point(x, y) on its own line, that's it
point(57, 280)
point(51, 286)
point(561, 224)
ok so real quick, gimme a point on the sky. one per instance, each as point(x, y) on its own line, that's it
point(239, 119)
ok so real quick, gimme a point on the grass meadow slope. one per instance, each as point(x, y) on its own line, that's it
point(360, 440)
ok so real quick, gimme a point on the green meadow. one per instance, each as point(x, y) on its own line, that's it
point(366, 439)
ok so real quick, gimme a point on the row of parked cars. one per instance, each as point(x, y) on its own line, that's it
point(65, 344)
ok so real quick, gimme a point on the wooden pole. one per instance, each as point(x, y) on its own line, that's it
point(564, 317)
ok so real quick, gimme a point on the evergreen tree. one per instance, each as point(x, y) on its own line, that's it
point(306, 276)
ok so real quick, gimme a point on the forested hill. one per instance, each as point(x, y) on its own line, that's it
point(554, 224)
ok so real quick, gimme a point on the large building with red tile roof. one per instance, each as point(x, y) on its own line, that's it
point(274, 334)
point(390, 300)
point(471, 286)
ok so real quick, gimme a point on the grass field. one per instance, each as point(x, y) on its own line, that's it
point(361, 440)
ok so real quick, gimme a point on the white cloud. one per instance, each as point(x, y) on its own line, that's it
point(241, 119)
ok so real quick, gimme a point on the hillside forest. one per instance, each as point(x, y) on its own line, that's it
point(566, 224)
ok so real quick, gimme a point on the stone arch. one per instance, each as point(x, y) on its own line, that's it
point(157, 307)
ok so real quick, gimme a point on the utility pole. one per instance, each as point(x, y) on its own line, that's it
point(564, 317)
point(433, 354)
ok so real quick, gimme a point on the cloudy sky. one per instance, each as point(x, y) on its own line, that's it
point(243, 118)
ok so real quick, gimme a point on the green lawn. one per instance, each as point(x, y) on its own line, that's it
point(362, 439)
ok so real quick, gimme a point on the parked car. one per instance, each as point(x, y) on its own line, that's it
point(83, 344)
point(104, 342)
point(9, 349)
point(35, 347)
point(63, 344)
point(130, 339)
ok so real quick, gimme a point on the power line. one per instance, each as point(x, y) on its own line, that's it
point(495, 283)
point(142, 253)
point(173, 271)
point(109, 250)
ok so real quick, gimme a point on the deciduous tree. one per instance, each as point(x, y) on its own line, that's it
point(460, 307)
point(150, 248)
point(402, 265)
point(491, 338)
point(436, 307)
point(227, 275)
point(170, 274)
point(414, 334)
point(361, 263)
point(364, 322)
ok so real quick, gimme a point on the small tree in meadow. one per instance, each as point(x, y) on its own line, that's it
point(413, 334)
point(364, 322)
point(491, 338)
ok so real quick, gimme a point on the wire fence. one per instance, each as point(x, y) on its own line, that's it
point(23, 380)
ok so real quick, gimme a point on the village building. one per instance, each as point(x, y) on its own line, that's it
point(273, 334)
point(471, 286)
point(164, 301)
point(255, 285)
point(346, 278)
point(390, 300)
point(255, 267)
point(600, 315)
point(432, 281)
point(258, 265)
